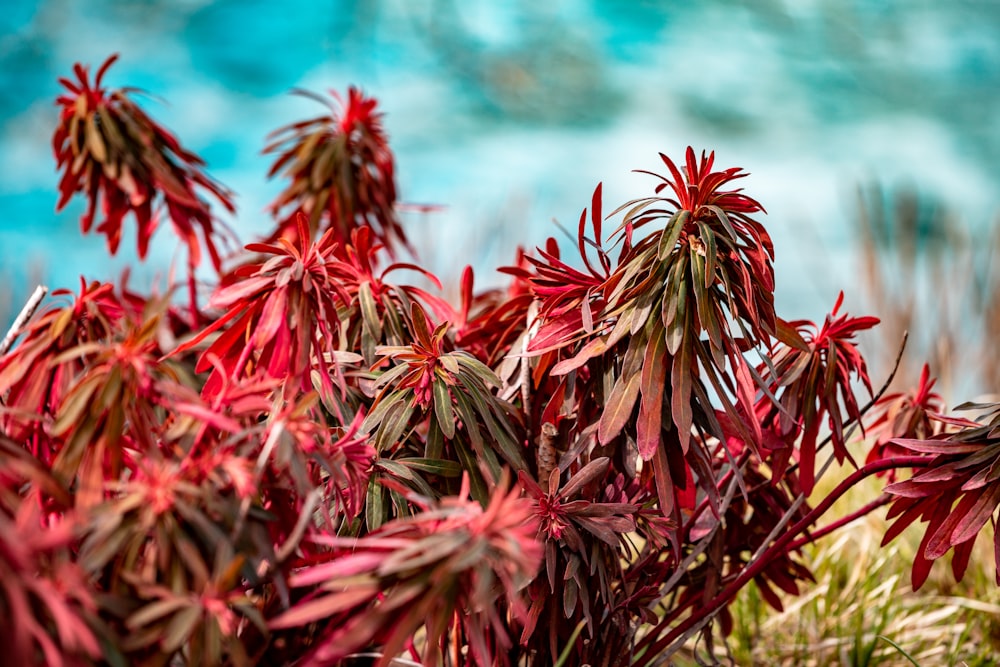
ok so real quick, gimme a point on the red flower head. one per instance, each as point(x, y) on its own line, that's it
point(811, 374)
point(342, 171)
point(698, 187)
point(109, 149)
point(909, 415)
point(285, 312)
point(561, 515)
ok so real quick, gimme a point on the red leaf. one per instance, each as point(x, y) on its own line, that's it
point(618, 407)
point(680, 399)
point(653, 381)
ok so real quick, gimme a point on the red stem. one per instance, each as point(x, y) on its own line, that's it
point(779, 546)
point(882, 500)
point(744, 457)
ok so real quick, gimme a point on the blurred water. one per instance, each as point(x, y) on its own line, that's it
point(510, 113)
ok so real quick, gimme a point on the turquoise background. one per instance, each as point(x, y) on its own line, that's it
point(509, 113)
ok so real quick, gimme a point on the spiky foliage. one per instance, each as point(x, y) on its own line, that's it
point(813, 380)
point(956, 496)
point(584, 468)
point(341, 170)
point(124, 162)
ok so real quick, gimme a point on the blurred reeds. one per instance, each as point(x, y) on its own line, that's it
point(926, 270)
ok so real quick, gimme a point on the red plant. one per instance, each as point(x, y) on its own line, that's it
point(341, 169)
point(707, 271)
point(46, 601)
point(290, 484)
point(810, 378)
point(956, 496)
point(442, 570)
point(911, 415)
point(284, 309)
point(124, 162)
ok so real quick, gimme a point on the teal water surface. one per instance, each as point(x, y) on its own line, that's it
point(509, 113)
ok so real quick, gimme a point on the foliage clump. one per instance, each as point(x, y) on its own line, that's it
point(585, 468)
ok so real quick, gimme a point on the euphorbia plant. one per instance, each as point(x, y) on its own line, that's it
point(124, 162)
point(583, 469)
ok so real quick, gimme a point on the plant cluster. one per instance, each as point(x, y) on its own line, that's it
point(583, 468)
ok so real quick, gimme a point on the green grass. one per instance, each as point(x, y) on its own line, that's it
point(862, 611)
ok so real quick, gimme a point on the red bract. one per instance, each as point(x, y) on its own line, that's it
point(561, 514)
point(811, 379)
point(491, 323)
point(285, 312)
point(699, 187)
point(379, 310)
point(956, 495)
point(909, 415)
point(122, 160)
point(341, 171)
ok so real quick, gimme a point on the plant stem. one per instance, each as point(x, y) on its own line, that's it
point(659, 648)
point(881, 501)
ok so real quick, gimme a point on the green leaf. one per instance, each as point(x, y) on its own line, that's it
point(434, 442)
point(477, 486)
point(711, 253)
point(155, 611)
point(478, 368)
point(382, 407)
point(671, 234)
point(403, 472)
point(724, 219)
point(489, 409)
point(369, 313)
point(392, 429)
point(487, 455)
point(677, 327)
point(374, 504)
point(390, 376)
point(570, 643)
point(180, 628)
point(441, 467)
point(96, 553)
point(442, 408)
point(73, 407)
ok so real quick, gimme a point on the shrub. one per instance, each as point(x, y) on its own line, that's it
point(585, 468)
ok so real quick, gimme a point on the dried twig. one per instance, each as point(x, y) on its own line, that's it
point(22, 318)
